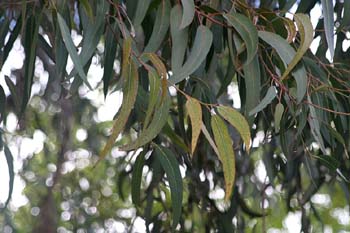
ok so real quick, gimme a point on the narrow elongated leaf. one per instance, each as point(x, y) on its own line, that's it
point(306, 37)
point(315, 127)
point(141, 10)
point(30, 42)
point(158, 121)
point(328, 14)
point(154, 90)
point(188, 13)
point(2, 104)
point(270, 95)
point(87, 8)
point(179, 38)
point(247, 32)
point(9, 160)
point(226, 153)
point(11, 40)
point(345, 21)
point(278, 116)
point(161, 69)
point(160, 27)
point(92, 34)
point(136, 178)
point(209, 138)
point(252, 80)
point(109, 56)
point(287, 53)
point(67, 39)
point(201, 47)
point(171, 167)
point(13, 92)
point(129, 97)
point(238, 121)
point(195, 112)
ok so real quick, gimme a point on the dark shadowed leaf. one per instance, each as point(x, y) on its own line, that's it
point(141, 10)
point(136, 178)
point(109, 56)
point(9, 160)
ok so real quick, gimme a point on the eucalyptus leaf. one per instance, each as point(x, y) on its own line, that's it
point(270, 95)
point(328, 14)
point(195, 112)
point(188, 13)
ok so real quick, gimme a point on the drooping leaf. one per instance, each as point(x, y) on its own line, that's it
point(270, 95)
point(252, 80)
point(30, 42)
point(278, 116)
point(92, 34)
point(13, 92)
point(179, 38)
point(154, 93)
point(2, 104)
point(158, 121)
point(238, 121)
point(136, 178)
point(195, 112)
point(11, 40)
point(329, 161)
point(171, 167)
point(291, 30)
point(328, 14)
point(306, 37)
point(188, 13)
point(247, 32)
point(287, 53)
point(160, 27)
point(226, 153)
point(201, 47)
point(9, 160)
point(109, 56)
point(67, 39)
point(161, 69)
point(141, 10)
point(209, 138)
point(345, 21)
point(315, 126)
point(88, 9)
point(129, 97)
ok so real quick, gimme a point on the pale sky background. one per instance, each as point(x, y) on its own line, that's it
point(24, 147)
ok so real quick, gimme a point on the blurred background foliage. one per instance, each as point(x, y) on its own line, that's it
point(295, 176)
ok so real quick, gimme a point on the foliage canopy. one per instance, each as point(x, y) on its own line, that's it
point(180, 139)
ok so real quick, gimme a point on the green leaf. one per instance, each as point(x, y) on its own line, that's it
point(188, 13)
point(329, 161)
point(2, 104)
point(87, 8)
point(209, 138)
point(252, 80)
point(11, 40)
point(226, 153)
point(328, 14)
point(109, 55)
point(141, 10)
point(270, 95)
point(246, 29)
point(278, 116)
point(179, 38)
point(160, 27)
point(171, 167)
point(306, 32)
point(315, 126)
point(136, 178)
point(287, 53)
point(9, 159)
point(158, 121)
point(201, 47)
point(67, 39)
point(154, 94)
point(92, 34)
point(195, 112)
point(30, 42)
point(345, 21)
point(129, 97)
point(237, 120)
